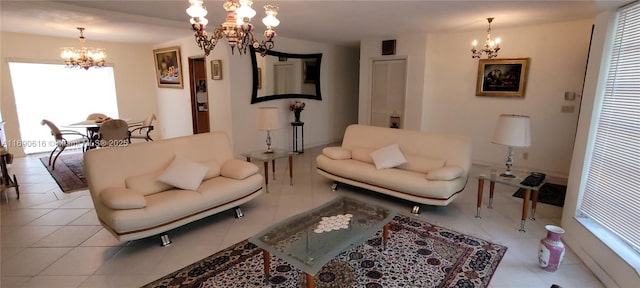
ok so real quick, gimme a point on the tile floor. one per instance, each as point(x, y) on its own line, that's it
point(53, 239)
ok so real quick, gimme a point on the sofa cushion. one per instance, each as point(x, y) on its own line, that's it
point(446, 173)
point(388, 157)
point(362, 154)
point(214, 168)
point(337, 153)
point(147, 184)
point(238, 169)
point(120, 198)
point(421, 164)
point(184, 173)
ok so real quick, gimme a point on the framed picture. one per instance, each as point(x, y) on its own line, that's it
point(216, 69)
point(502, 77)
point(168, 67)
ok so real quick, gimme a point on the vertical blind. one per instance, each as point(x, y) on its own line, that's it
point(612, 190)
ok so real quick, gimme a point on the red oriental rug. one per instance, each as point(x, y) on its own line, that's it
point(418, 254)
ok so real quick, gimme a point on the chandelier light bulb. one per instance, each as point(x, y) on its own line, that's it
point(270, 20)
point(497, 41)
point(197, 10)
point(474, 43)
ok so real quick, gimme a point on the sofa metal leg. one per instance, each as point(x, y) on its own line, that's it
point(164, 237)
point(239, 213)
point(334, 186)
point(415, 210)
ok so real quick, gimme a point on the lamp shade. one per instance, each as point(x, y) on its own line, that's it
point(513, 130)
point(268, 119)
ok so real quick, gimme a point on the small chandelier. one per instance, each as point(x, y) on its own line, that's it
point(237, 27)
point(83, 57)
point(490, 48)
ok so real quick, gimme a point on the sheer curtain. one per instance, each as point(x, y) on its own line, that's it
point(61, 95)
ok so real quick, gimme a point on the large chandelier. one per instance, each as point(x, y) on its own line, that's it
point(83, 57)
point(237, 27)
point(490, 48)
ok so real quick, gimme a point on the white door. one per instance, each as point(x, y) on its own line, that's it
point(388, 86)
point(284, 79)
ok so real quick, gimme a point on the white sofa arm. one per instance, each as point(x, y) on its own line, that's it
point(337, 153)
point(446, 173)
point(238, 169)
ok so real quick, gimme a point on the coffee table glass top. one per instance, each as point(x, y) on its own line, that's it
point(492, 173)
point(311, 239)
point(262, 156)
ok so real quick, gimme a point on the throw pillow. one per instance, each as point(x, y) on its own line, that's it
point(238, 169)
point(214, 168)
point(147, 184)
point(119, 198)
point(362, 154)
point(337, 153)
point(446, 173)
point(388, 157)
point(184, 173)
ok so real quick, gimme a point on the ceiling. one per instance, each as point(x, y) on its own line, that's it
point(338, 22)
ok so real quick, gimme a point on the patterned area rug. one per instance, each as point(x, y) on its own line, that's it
point(418, 254)
point(549, 193)
point(69, 172)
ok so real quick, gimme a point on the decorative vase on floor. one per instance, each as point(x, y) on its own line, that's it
point(551, 249)
point(296, 113)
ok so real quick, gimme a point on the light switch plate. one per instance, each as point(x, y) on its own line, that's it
point(567, 109)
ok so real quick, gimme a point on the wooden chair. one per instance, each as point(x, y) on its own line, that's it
point(142, 132)
point(114, 132)
point(62, 142)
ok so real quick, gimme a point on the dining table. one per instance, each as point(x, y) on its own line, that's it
point(93, 128)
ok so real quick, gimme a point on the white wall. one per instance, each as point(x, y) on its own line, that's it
point(442, 82)
point(132, 63)
point(558, 57)
point(231, 109)
point(609, 267)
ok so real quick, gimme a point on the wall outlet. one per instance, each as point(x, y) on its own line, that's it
point(567, 109)
point(525, 155)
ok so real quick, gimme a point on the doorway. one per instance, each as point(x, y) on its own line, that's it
point(199, 95)
point(388, 86)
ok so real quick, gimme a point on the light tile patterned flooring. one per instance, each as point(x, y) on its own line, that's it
point(53, 239)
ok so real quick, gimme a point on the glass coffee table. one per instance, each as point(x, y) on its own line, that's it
point(311, 239)
point(492, 174)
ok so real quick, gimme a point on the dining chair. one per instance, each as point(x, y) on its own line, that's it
point(142, 132)
point(94, 116)
point(114, 132)
point(62, 140)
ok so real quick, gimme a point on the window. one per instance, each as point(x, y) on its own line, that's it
point(611, 196)
point(61, 95)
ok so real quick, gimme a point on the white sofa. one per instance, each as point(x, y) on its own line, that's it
point(132, 202)
point(436, 169)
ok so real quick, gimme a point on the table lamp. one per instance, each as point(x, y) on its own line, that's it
point(512, 131)
point(268, 120)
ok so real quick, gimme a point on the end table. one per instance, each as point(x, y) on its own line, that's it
point(294, 127)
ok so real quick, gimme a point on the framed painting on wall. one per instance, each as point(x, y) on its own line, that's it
point(502, 77)
point(168, 67)
point(216, 69)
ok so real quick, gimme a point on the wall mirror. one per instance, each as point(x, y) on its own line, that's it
point(280, 75)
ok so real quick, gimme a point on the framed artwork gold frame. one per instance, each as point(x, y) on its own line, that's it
point(502, 77)
point(168, 67)
point(216, 69)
